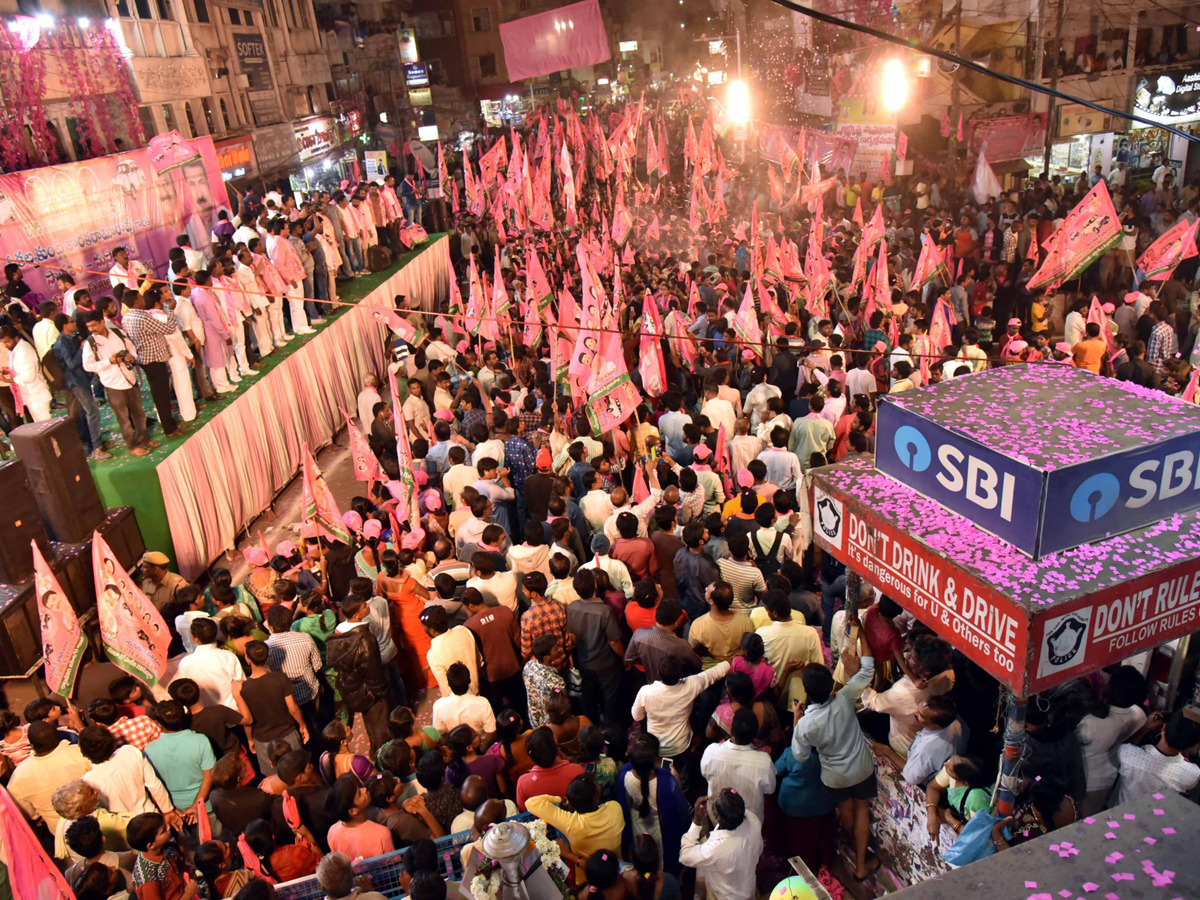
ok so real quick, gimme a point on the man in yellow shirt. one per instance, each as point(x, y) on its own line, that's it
point(590, 826)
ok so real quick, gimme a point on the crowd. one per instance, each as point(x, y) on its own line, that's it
point(195, 331)
point(630, 634)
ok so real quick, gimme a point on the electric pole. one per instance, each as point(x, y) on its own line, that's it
point(955, 98)
point(1054, 72)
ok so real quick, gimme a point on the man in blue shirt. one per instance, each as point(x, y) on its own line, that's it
point(670, 424)
point(68, 350)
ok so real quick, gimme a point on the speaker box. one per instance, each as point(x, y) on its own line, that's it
point(72, 566)
point(120, 530)
point(62, 482)
point(20, 523)
point(20, 631)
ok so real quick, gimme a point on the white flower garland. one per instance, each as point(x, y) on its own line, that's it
point(549, 849)
point(486, 887)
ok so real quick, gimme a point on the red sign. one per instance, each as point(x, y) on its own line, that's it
point(234, 155)
point(986, 626)
point(1010, 137)
point(1113, 624)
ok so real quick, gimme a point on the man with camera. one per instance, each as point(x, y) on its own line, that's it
point(112, 357)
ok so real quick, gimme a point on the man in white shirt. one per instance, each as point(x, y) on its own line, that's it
point(617, 571)
point(724, 856)
point(25, 371)
point(596, 504)
point(416, 411)
point(123, 777)
point(217, 672)
point(125, 271)
point(457, 477)
point(720, 413)
point(110, 355)
point(44, 331)
point(461, 707)
point(1162, 765)
point(666, 707)
point(447, 647)
point(783, 467)
point(367, 398)
point(620, 504)
point(737, 764)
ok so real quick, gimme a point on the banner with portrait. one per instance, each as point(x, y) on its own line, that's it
point(135, 636)
point(63, 641)
point(73, 216)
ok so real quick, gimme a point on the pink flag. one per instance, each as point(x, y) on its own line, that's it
point(945, 124)
point(63, 641)
point(366, 464)
point(641, 491)
point(32, 875)
point(928, 264)
point(1090, 228)
point(722, 461)
point(651, 366)
point(652, 232)
point(404, 457)
point(319, 505)
point(475, 302)
point(1175, 245)
point(568, 188)
point(612, 396)
point(1096, 314)
point(136, 639)
point(857, 218)
point(622, 222)
point(591, 316)
point(745, 323)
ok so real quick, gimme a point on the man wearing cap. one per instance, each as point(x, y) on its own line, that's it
point(707, 479)
point(158, 582)
point(1126, 317)
point(1011, 333)
point(539, 486)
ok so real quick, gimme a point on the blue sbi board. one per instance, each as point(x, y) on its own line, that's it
point(999, 494)
point(1046, 457)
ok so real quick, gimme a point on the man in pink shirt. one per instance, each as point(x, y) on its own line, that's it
point(351, 233)
point(287, 261)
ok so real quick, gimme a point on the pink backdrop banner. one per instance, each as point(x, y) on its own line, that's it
point(75, 214)
point(229, 471)
point(564, 38)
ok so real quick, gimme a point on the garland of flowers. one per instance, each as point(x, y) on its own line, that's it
point(12, 136)
point(95, 96)
point(33, 89)
point(486, 883)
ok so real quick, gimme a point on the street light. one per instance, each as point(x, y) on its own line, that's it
point(738, 102)
point(893, 85)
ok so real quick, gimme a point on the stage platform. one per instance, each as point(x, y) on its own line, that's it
point(194, 494)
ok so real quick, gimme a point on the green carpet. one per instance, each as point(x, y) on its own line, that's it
point(128, 480)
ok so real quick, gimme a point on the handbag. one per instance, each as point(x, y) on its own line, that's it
point(574, 681)
point(974, 841)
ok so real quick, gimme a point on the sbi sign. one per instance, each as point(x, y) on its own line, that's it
point(1038, 511)
point(1118, 493)
point(999, 494)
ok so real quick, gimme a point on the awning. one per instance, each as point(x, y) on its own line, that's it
point(1011, 167)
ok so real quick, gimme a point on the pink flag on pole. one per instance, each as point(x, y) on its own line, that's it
point(1096, 314)
point(543, 43)
point(745, 323)
point(641, 490)
point(651, 366)
point(366, 464)
point(928, 264)
point(63, 641)
point(612, 396)
point(1089, 230)
point(404, 456)
point(1175, 245)
point(1189, 392)
point(591, 316)
point(319, 505)
point(136, 638)
point(857, 218)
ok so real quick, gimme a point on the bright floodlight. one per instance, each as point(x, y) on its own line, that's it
point(894, 85)
point(739, 102)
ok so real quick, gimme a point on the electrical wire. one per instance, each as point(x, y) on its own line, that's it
point(977, 67)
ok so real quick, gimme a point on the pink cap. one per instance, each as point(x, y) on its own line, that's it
point(414, 540)
point(745, 479)
point(543, 460)
point(463, 346)
point(1014, 321)
point(1109, 308)
point(421, 478)
point(352, 520)
point(1131, 297)
point(396, 489)
point(372, 528)
point(285, 548)
point(702, 452)
point(256, 556)
point(747, 354)
point(1063, 346)
point(1015, 347)
point(444, 414)
point(880, 346)
point(432, 500)
point(309, 531)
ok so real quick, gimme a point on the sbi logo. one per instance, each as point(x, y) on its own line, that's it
point(1095, 497)
point(958, 472)
point(1152, 479)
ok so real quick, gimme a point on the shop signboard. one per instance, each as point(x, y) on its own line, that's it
point(1171, 97)
point(421, 97)
point(407, 40)
point(376, 164)
point(315, 137)
point(236, 158)
point(251, 52)
point(275, 147)
point(416, 74)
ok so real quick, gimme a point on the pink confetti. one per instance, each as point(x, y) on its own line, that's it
point(1168, 830)
point(1150, 840)
point(1122, 876)
point(1111, 896)
point(1113, 824)
point(1157, 796)
point(1065, 893)
point(1089, 886)
point(1109, 836)
point(1113, 857)
point(1031, 884)
point(1129, 817)
point(1040, 897)
point(1090, 820)
point(1157, 812)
